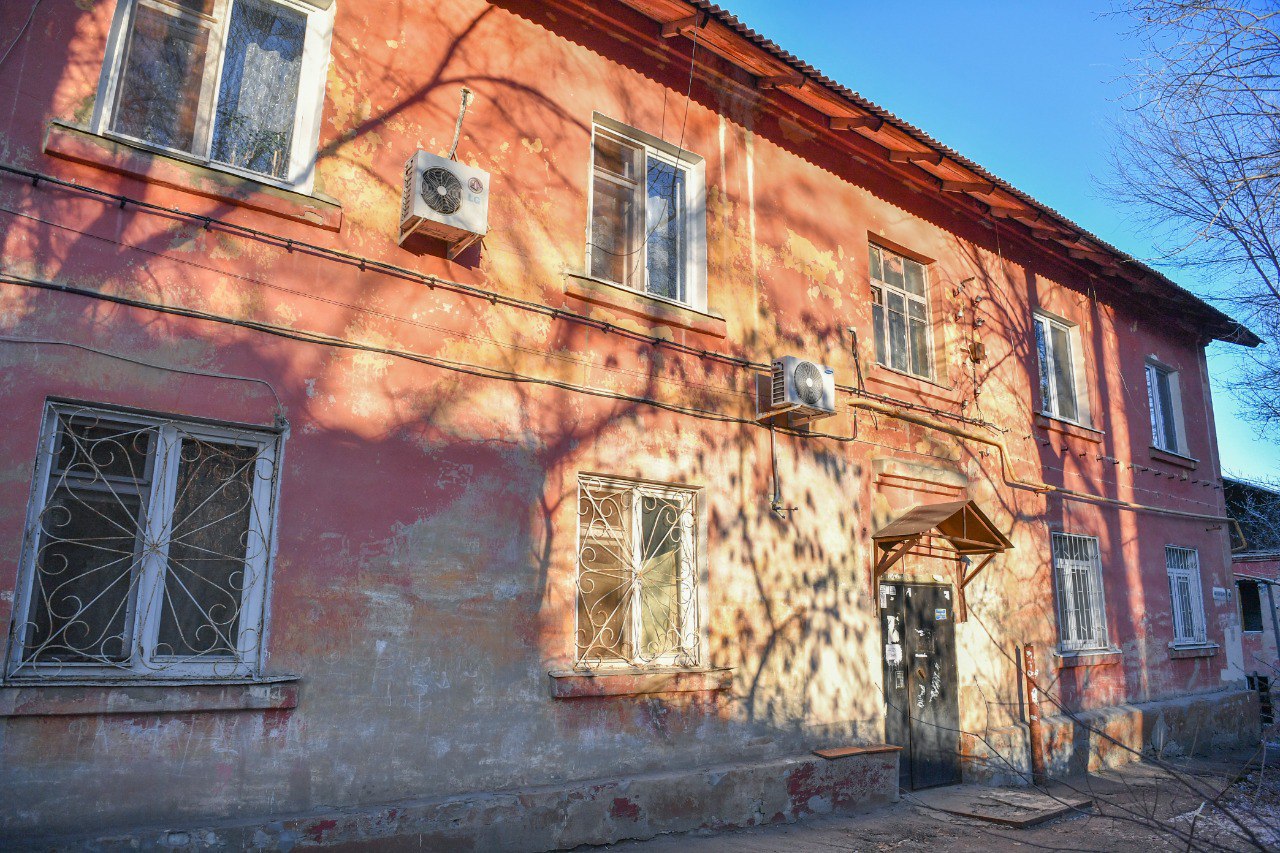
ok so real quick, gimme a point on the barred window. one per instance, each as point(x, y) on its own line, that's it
point(1183, 565)
point(1082, 617)
point(147, 549)
point(637, 581)
point(900, 312)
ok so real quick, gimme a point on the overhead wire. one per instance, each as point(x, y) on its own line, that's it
point(481, 371)
point(494, 297)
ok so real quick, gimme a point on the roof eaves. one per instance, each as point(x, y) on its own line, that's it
point(1222, 326)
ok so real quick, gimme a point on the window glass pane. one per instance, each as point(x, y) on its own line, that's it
point(617, 157)
point(615, 219)
point(877, 274)
point(919, 348)
point(1250, 605)
point(1042, 361)
point(1064, 385)
point(892, 269)
point(100, 450)
point(665, 215)
point(158, 94)
point(604, 572)
point(897, 332)
point(661, 555)
point(1168, 435)
point(914, 277)
point(1188, 630)
point(877, 322)
point(84, 575)
point(208, 544)
point(257, 97)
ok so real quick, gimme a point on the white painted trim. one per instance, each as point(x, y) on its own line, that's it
point(695, 220)
point(309, 105)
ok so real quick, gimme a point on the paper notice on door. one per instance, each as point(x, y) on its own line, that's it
point(892, 653)
point(940, 614)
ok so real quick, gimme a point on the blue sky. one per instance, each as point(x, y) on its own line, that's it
point(1028, 89)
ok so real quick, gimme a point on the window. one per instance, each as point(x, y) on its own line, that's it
point(237, 83)
point(148, 548)
point(637, 581)
point(647, 219)
point(1183, 565)
point(900, 312)
point(1054, 346)
point(1082, 618)
point(1250, 605)
point(1162, 394)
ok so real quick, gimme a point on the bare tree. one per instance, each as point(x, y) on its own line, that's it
point(1198, 160)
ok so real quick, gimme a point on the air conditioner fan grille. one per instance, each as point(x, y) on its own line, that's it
point(807, 380)
point(441, 190)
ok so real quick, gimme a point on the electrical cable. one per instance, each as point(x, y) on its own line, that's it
point(21, 31)
point(432, 361)
point(187, 370)
point(432, 281)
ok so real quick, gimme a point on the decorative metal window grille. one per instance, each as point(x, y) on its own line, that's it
point(148, 547)
point(641, 223)
point(900, 312)
point(637, 581)
point(1183, 565)
point(1082, 617)
point(1057, 369)
point(1164, 431)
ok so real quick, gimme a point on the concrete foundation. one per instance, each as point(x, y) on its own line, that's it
point(548, 818)
point(1108, 737)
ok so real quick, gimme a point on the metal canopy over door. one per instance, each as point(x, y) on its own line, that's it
point(922, 714)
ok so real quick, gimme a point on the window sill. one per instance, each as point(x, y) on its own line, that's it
point(1198, 650)
point(1174, 458)
point(575, 684)
point(113, 155)
point(644, 306)
point(1055, 424)
point(1093, 657)
point(883, 375)
point(124, 696)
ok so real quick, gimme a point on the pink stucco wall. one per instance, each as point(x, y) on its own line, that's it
point(424, 579)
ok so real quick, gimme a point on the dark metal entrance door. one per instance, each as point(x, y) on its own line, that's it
point(922, 713)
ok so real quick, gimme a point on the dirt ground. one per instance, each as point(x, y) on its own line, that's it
point(1139, 808)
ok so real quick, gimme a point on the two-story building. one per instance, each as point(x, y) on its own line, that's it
point(755, 422)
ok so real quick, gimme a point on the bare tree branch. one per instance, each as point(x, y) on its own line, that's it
point(1198, 160)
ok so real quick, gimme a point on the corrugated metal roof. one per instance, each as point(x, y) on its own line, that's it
point(960, 522)
point(1222, 326)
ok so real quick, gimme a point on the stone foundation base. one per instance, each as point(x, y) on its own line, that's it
point(1107, 737)
point(555, 817)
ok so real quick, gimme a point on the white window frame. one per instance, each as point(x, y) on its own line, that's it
point(695, 219)
point(1071, 576)
point(880, 332)
point(691, 585)
point(148, 575)
point(1050, 405)
point(1158, 408)
point(309, 106)
point(1183, 567)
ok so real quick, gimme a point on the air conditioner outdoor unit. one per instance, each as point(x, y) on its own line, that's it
point(445, 199)
point(802, 390)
